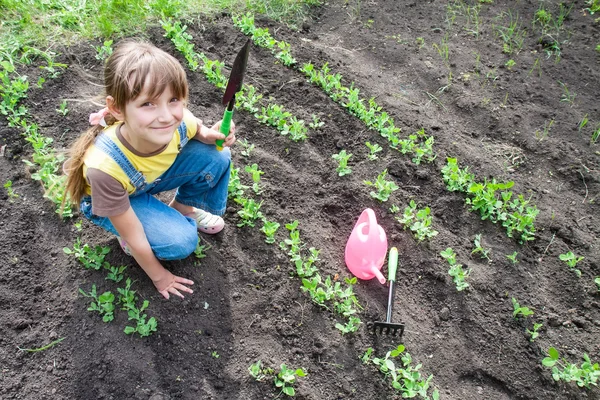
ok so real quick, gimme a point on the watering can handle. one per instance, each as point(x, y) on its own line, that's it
point(373, 227)
point(392, 264)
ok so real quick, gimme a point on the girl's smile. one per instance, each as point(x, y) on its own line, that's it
point(149, 123)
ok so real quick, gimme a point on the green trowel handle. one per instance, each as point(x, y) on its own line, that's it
point(392, 264)
point(225, 126)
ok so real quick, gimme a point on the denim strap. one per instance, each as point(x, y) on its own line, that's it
point(105, 144)
point(183, 139)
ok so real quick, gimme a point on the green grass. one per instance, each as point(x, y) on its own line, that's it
point(42, 23)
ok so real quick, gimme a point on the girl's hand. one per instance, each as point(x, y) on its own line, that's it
point(170, 283)
point(210, 136)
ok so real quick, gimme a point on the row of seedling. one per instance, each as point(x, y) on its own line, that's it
point(368, 111)
point(247, 99)
point(493, 200)
point(397, 367)
point(322, 291)
point(104, 304)
point(46, 163)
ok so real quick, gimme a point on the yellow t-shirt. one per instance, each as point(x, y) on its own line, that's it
point(150, 166)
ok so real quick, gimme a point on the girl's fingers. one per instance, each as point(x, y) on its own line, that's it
point(165, 294)
point(175, 292)
point(179, 279)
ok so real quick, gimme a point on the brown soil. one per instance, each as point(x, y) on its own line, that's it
point(247, 303)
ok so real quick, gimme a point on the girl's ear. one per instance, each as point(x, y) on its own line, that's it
point(110, 103)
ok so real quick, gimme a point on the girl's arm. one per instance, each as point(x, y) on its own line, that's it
point(131, 231)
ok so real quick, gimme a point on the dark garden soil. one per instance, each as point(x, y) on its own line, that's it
point(248, 304)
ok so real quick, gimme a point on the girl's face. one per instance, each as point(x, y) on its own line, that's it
point(149, 123)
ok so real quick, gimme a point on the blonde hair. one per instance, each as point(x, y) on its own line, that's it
point(133, 66)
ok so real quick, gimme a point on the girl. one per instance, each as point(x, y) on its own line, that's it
point(140, 146)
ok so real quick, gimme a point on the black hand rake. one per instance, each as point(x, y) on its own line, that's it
point(388, 327)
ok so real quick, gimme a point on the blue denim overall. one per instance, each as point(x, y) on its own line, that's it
point(200, 173)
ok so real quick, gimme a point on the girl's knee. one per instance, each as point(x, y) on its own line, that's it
point(180, 246)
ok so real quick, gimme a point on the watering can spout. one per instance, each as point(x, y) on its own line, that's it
point(378, 274)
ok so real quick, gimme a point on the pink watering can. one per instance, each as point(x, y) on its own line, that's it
point(366, 248)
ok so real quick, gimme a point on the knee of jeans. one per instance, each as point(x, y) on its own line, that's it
point(181, 246)
point(223, 160)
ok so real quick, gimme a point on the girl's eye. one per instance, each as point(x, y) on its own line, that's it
point(146, 104)
point(174, 100)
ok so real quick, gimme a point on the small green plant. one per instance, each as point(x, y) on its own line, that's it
point(114, 274)
point(383, 188)
point(541, 135)
point(567, 96)
point(593, 6)
point(585, 375)
point(256, 371)
point(478, 249)
point(285, 379)
point(519, 311)
point(316, 122)
point(598, 47)
point(46, 347)
point(513, 257)
point(200, 252)
point(269, 228)
point(250, 211)
point(214, 354)
point(509, 64)
point(456, 270)
point(128, 299)
point(373, 150)
point(405, 378)
point(256, 173)
point(512, 35)
point(103, 304)
point(78, 225)
point(247, 147)
point(583, 122)
point(419, 221)
point(595, 134)
point(104, 51)
point(571, 259)
point(235, 189)
point(342, 159)
point(597, 282)
point(366, 357)
point(420, 42)
point(533, 334)
point(62, 108)
point(10, 191)
point(90, 258)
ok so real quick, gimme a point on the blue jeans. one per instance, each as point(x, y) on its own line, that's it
point(201, 175)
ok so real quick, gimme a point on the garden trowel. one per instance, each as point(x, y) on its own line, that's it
point(233, 86)
point(388, 327)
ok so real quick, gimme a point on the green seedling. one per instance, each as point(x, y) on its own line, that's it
point(128, 299)
point(316, 123)
point(595, 134)
point(509, 64)
point(420, 42)
point(512, 35)
point(373, 150)
point(541, 135)
point(90, 258)
point(342, 159)
point(478, 249)
point(584, 376)
point(250, 211)
point(284, 55)
point(40, 82)
point(256, 173)
point(419, 221)
point(567, 96)
point(456, 271)
point(214, 354)
point(103, 304)
point(394, 209)
point(593, 6)
point(533, 334)
point(114, 273)
point(286, 378)
point(571, 259)
point(10, 191)
point(269, 228)
point(46, 347)
point(598, 47)
point(597, 282)
point(405, 378)
point(104, 51)
point(513, 257)
point(519, 311)
point(247, 147)
point(235, 189)
point(582, 123)
point(256, 371)
point(78, 225)
point(200, 251)
point(366, 357)
point(383, 188)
